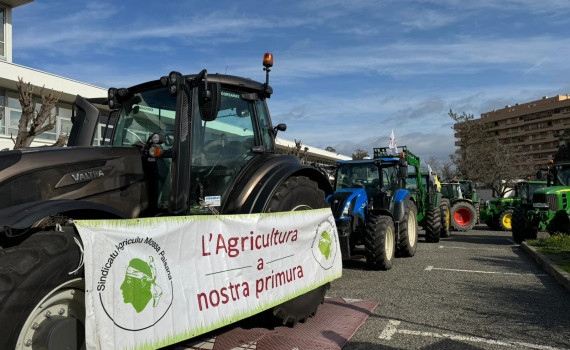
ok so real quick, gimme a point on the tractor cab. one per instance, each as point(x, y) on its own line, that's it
point(451, 190)
point(525, 189)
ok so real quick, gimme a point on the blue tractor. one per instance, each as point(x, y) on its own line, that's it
point(372, 208)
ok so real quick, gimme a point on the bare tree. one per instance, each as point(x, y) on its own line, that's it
point(33, 123)
point(444, 169)
point(298, 151)
point(330, 149)
point(359, 154)
point(483, 158)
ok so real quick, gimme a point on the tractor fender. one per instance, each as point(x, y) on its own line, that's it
point(257, 183)
point(25, 215)
point(398, 203)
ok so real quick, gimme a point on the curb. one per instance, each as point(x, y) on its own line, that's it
point(560, 275)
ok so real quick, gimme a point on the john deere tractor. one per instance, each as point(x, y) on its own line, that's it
point(463, 211)
point(433, 201)
point(179, 145)
point(498, 212)
point(470, 193)
point(425, 194)
point(550, 207)
point(372, 207)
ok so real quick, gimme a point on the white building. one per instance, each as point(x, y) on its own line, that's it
point(10, 106)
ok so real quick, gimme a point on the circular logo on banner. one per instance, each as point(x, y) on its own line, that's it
point(325, 243)
point(135, 284)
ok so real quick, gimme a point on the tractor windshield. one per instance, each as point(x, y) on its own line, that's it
point(449, 191)
point(528, 190)
point(358, 175)
point(466, 189)
point(220, 148)
point(563, 175)
point(147, 112)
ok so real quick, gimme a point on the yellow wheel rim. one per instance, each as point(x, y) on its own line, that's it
point(447, 219)
point(507, 220)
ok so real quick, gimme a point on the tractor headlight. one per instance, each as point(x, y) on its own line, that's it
point(540, 205)
point(345, 211)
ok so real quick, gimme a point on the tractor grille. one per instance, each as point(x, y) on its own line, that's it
point(551, 199)
point(337, 202)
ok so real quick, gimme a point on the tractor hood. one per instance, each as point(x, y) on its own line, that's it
point(340, 198)
point(551, 198)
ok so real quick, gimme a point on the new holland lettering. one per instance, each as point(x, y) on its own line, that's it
point(88, 175)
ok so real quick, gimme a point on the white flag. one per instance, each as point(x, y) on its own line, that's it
point(431, 174)
point(392, 144)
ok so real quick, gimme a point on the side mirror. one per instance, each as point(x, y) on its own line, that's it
point(209, 101)
point(280, 127)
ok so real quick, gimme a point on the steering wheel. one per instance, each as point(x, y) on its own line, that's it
point(211, 145)
point(169, 139)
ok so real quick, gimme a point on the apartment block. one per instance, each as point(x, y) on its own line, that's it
point(533, 128)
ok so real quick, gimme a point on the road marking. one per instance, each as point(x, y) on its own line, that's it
point(431, 268)
point(390, 330)
point(465, 248)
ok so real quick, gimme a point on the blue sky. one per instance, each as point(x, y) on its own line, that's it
point(346, 72)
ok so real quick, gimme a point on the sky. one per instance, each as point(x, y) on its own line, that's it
point(345, 73)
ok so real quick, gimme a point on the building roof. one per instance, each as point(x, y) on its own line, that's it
point(331, 156)
point(15, 3)
point(69, 87)
point(545, 103)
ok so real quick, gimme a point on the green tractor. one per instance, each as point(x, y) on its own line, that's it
point(427, 201)
point(550, 207)
point(498, 212)
point(463, 211)
point(430, 191)
point(468, 191)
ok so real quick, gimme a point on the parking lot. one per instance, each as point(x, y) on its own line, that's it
point(474, 290)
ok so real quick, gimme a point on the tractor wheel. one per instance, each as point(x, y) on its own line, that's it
point(408, 233)
point(299, 193)
point(506, 220)
point(477, 213)
point(463, 216)
point(519, 229)
point(445, 218)
point(433, 225)
point(41, 305)
point(380, 242)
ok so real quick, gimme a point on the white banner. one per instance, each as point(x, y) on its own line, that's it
point(157, 281)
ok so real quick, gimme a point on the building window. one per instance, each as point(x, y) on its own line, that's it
point(2, 35)
point(12, 113)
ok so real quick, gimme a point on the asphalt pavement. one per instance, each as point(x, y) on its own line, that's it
point(474, 290)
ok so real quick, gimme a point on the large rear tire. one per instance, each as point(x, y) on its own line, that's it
point(408, 233)
point(433, 225)
point(506, 220)
point(380, 242)
point(463, 216)
point(477, 213)
point(299, 193)
point(41, 305)
point(445, 218)
point(520, 230)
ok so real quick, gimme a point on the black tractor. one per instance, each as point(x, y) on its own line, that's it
point(181, 145)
